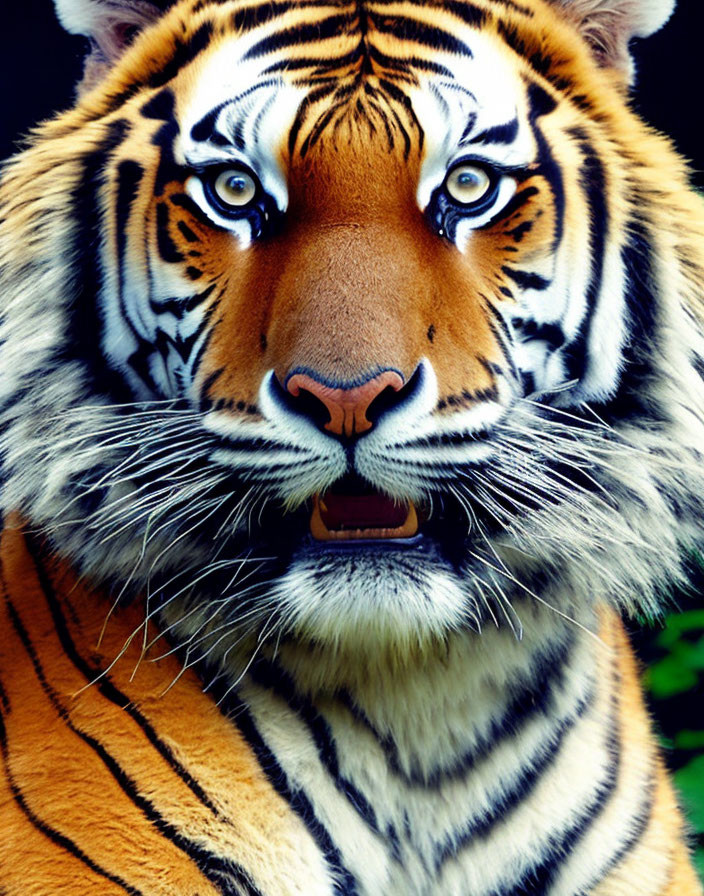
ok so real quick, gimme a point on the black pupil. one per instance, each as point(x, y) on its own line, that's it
point(469, 179)
point(237, 184)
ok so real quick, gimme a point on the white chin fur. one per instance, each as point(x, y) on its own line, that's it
point(372, 602)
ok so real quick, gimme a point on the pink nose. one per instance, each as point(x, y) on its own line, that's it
point(347, 407)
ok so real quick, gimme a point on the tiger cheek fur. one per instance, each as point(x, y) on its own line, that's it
point(350, 389)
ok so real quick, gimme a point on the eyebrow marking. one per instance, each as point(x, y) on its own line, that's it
point(498, 134)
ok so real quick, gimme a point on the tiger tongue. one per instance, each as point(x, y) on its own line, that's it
point(339, 517)
point(362, 512)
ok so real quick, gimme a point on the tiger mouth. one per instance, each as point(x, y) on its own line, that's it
point(341, 516)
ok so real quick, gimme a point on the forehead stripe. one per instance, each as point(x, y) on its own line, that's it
point(416, 31)
point(319, 62)
point(402, 62)
point(308, 33)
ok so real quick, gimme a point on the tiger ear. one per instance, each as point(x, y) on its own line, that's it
point(609, 25)
point(109, 26)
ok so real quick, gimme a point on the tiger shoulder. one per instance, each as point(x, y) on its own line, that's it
point(351, 393)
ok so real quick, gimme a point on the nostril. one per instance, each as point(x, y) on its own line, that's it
point(389, 398)
point(308, 404)
point(304, 403)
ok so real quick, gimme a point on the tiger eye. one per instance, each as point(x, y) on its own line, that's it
point(235, 188)
point(468, 184)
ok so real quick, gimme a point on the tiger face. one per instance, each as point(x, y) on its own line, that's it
point(356, 323)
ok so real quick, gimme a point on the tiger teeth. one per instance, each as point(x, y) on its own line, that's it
point(320, 531)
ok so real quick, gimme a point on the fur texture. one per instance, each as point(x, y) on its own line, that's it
point(421, 709)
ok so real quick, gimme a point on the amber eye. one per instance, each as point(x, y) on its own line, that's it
point(233, 189)
point(469, 184)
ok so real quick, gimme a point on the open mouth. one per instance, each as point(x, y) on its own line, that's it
point(341, 515)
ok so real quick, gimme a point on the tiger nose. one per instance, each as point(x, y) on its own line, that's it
point(346, 406)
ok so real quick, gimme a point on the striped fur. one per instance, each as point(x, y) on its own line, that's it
point(457, 715)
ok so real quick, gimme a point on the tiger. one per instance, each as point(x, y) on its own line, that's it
point(351, 403)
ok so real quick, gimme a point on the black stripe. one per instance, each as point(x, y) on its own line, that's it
point(99, 679)
point(500, 133)
point(529, 330)
point(165, 244)
point(180, 305)
point(520, 230)
point(319, 63)
point(55, 836)
point(403, 63)
point(526, 279)
point(403, 100)
point(466, 12)
point(642, 819)
point(336, 102)
point(47, 830)
point(129, 177)
point(518, 200)
point(392, 125)
point(204, 128)
point(640, 287)
point(160, 107)
point(84, 318)
point(504, 338)
point(256, 14)
point(219, 871)
point(167, 168)
point(540, 877)
point(541, 103)
point(530, 775)
point(517, 7)
point(310, 32)
point(187, 232)
point(271, 677)
point(205, 401)
point(593, 183)
point(406, 29)
point(533, 694)
point(235, 708)
point(184, 201)
point(634, 397)
point(195, 362)
point(534, 54)
point(185, 52)
point(308, 101)
point(251, 17)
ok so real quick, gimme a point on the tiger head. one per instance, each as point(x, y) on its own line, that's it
point(358, 323)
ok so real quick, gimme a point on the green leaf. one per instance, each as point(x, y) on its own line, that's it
point(677, 624)
point(689, 740)
point(670, 676)
point(699, 861)
point(690, 782)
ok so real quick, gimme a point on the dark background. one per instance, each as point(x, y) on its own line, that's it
point(39, 64)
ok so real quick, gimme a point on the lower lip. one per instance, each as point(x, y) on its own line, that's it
point(366, 544)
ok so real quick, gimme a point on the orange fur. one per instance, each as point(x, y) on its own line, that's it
point(51, 708)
